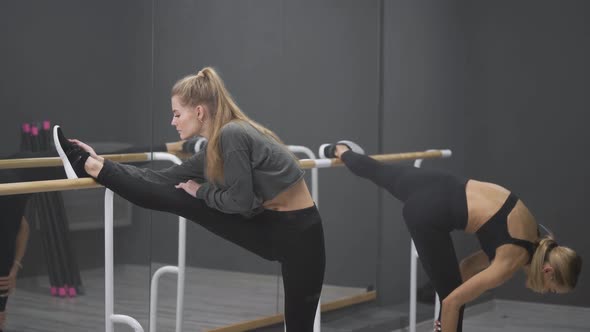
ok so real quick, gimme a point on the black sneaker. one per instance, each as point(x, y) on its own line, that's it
point(72, 156)
point(328, 150)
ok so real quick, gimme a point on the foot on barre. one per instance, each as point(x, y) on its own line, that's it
point(328, 150)
point(72, 156)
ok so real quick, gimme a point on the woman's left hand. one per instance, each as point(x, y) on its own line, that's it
point(189, 186)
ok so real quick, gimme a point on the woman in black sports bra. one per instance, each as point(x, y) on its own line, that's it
point(436, 203)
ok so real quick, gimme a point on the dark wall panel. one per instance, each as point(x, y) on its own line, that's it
point(73, 63)
point(85, 66)
point(530, 76)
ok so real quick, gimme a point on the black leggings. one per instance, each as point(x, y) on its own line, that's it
point(294, 238)
point(434, 205)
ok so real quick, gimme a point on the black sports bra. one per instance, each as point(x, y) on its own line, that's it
point(494, 232)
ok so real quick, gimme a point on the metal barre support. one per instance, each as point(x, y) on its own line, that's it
point(109, 290)
point(180, 270)
point(110, 317)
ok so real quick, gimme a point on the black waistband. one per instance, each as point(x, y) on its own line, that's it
point(293, 213)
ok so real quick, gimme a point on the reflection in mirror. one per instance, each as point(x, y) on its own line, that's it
point(86, 67)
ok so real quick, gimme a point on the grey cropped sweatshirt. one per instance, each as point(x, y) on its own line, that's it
point(256, 168)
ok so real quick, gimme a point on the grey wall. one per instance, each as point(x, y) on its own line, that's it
point(504, 85)
point(73, 63)
point(529, 78)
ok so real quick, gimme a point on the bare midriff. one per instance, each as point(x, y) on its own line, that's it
point(296, 197)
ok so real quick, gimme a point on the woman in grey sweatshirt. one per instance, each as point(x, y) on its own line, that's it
point(244, 186)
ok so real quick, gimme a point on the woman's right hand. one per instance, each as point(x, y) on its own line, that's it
point(86, 148)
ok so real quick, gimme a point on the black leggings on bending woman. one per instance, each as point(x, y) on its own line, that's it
point(294, 238)
point(434, 205)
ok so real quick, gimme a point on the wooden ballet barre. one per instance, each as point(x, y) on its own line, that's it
point(85, 183)
point(325, 163)
point(47, 185)
point(55, 161)
point(139, 157)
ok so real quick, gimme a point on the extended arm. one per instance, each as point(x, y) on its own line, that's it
point(192, 168)
point(473, 264)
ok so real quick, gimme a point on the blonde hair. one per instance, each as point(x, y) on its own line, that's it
point(207, 88)
point(566, 264)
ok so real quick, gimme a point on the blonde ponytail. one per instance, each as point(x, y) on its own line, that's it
point(207, 87)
